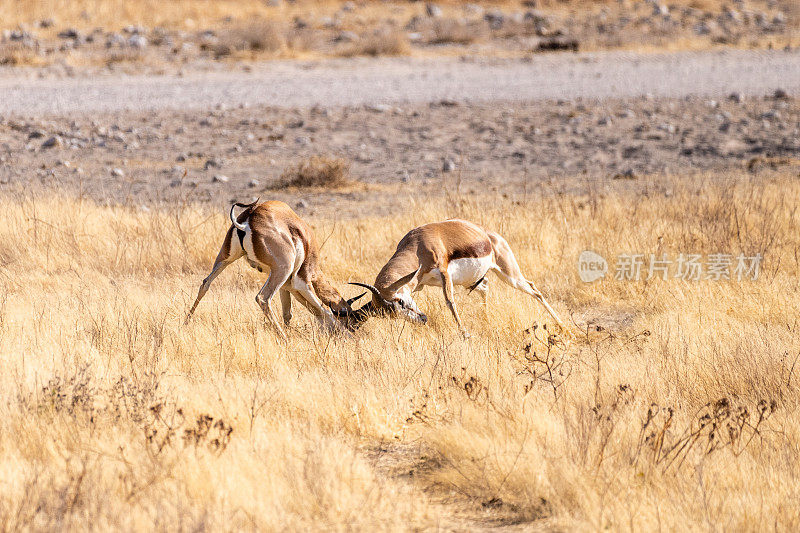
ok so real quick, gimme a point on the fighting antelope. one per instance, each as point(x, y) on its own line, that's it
point(444, 254)
point(273, 238)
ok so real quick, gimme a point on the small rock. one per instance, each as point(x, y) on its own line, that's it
point(660, 9)
point(69, 33)
point(495, 18)
point(449, 165)
point(347, 37)
point(379, 108)
point(667, 127)
point(134, 30)
point(52, 142)
point(301, 204)
point(627, 174)
point(780, 94)
point(138, 42)
point(220, 178)
point(117, 172)
point(212, 163)
point(432, 10)
point(735, 97)
point(253, 183)
point(36, 134)
point(114, 39)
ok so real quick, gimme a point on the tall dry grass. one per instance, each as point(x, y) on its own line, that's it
point(678, 413)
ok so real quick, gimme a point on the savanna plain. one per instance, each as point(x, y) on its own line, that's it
point(672, 405)
point(665, 404)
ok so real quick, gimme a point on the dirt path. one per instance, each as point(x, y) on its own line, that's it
point(405, 80)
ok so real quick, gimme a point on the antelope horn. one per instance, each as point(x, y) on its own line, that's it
point(354, 299)
point(372, 289)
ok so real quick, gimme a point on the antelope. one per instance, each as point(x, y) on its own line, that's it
point(444, 254)
point(274, 238)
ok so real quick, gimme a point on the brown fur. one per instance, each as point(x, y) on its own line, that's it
point(433, 246)
point(276, 230)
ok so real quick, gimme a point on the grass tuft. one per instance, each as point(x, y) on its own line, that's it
point(318, 171)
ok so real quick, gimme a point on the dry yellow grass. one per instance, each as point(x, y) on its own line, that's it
point(194, 14)
point(104, 389)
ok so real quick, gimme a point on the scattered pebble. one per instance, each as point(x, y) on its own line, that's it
point(53, 142)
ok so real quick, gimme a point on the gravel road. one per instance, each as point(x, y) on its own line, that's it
point(410, 80)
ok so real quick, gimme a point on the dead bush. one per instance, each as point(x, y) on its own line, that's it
point(16, 54)
point(451, 31)
point(256, 36)
point(318, 171)
point(380, 44)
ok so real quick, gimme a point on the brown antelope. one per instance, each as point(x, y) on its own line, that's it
point(274, 239)
point(444, 254)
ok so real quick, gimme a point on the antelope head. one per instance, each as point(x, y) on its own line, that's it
point(397, 302)
point(348, 318)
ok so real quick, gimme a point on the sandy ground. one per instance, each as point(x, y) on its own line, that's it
point(407, 81)
point(435, 149)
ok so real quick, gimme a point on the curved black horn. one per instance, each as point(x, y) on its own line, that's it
point(354, 299)
point(372, 289)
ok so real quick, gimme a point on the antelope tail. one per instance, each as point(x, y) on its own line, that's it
point(240, 227)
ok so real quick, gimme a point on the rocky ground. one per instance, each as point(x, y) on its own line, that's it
point(140, 158)
point(398, 28)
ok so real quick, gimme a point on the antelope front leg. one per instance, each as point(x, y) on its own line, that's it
point(315, 305)
point(215, 271)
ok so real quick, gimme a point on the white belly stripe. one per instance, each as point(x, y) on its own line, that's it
point(466, 272)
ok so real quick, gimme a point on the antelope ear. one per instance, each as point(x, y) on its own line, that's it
point(404, 280)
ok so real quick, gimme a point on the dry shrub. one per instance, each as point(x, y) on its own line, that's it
point(124, 55)
point(450, 31)
point(318, 171)
point(16, 54)
point(257, 36)
point(393, 43)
